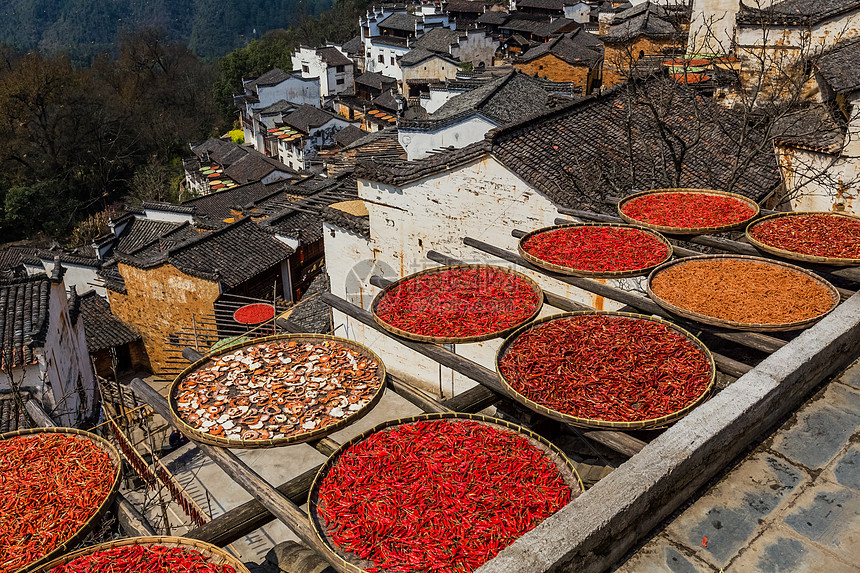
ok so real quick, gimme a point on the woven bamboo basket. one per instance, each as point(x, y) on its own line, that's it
point(732, 325)
point(314, 434)
point(593, 423)
point(352, 562)
point(795, 256)
point(454, 339)
point(93, 521)
point(689, 230)
point(593, 274)
point(214, 555)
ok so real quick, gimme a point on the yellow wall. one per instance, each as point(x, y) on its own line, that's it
point(555, 69)
point(619, 58)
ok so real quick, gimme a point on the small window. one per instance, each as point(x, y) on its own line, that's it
point(381, 59)
point(339, 69)
point(306, 69)
point(392, 60)
point(540, 67)
point(339, 82)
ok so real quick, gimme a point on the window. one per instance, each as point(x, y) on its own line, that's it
point(339, 82)
point(381, 59)
point(392, 60)
point(339, 69)
point(305, 69)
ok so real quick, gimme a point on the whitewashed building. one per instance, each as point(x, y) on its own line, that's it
point(330, 64)
point(270, 88)
point(315, 128)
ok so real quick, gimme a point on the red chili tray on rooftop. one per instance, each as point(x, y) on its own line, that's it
point(687, 211)
point(808, 236)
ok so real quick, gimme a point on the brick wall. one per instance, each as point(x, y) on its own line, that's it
point(159, 302)
point(555, 69)
point(618, 58)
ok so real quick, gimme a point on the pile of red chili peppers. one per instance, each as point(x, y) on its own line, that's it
point(606, 367)
point(50, 485)
point(820, 235)
point(687, 210)
point(144, 557)
point(459, 302)
point(254, 313)
point(437, 495)
point(597, 249)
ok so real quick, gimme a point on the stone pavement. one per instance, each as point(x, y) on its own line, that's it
point(792, 505)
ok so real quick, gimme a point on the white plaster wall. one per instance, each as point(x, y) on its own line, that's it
point(820, 182)
point(169, 216)
point(482, 200)
point(386, 68)
point(82, 277)
point(437, 99)
point(293, 89)
point(275, 176)
point(712, 26)
point(430, 69)
point(418, 144)
point(580, 13)
point(477, 48)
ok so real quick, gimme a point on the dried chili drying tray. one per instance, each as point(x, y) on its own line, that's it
point(353, 563)
point(814, 259)
point(651, 424)
point(689, 230)
point(593, 274)
point(755, 327)
point(93, 521)
point(453, 339)
point(215, 555)
point(285, 441)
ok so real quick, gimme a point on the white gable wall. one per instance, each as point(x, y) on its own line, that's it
point(419, 143)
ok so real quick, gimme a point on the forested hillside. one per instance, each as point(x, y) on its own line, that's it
point(85, 28)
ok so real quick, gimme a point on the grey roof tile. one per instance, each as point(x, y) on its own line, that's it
point(23, 317)
point(103, 328)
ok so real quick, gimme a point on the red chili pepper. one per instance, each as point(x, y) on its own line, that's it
point(598, 249)
point(606, 367)
point(459, 302)
point(437, 495)
point(820, 234)
point(143, 557)
point(50, 485)
point(687, 210)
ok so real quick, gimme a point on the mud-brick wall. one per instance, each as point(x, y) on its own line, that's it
point(557, 70)
point(161, 301)
point(619, 58)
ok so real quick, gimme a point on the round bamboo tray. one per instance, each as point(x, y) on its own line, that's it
point(792, 255)
point(215, 555)
point(689, 230)
point(454, 339)
point(316, 433)
point(353, 563)
point(102, 508)
point(732, 325)
point(593, 423)
point(593, 274)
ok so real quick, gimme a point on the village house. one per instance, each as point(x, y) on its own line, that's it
point(114, 346)
point(421, 67)
point(354, 50)
point(270, 88)
point(575, 57)
point(219, 164)
point(464, 13)
point(517, 177)
point(311, 130)
point(466, 118)
point(330, 64)
point(575, 10)
point(372, 100)
point(536, 28)
point(44, 347)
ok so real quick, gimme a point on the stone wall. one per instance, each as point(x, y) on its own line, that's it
point(555, 69)
point(619, 58)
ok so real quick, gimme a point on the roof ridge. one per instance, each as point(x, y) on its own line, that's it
point(205, 236)
point(495, 90)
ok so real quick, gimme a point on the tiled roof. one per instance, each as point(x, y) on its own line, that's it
point(15, 256)
point(102, 327)
point(541, 4)
point(109, 273)
point(439, 40)
point(493, 18)
point(311, 313)
point(353, 46)
point(170, 207)
point(348, 135)
point(307, 117)
point(23, 317)
point(566, 49)
point(400, 21)
point(796, 12)
point(387, 101)
point(840, 66)
point(215, 207)
point(469, 6)
point(254, 167)
point(417, 55)
point(375, 80)
point(219, 151)
point(383, 143)
point(333, 57)
point(358, 224)
point(279, 106)
point(812, 128)
point(140, 232)
point(537, 25)
point(271, 78)
point(647, 23)
point(577, 152)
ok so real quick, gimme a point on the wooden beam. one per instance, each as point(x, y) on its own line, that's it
point(39, 415)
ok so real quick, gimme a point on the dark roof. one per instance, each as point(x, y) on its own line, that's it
point(15, 256)
point(418, 55)
point(23, 317)
point(168, 207)
point(8, 421)
point(813, 127)
point(567, 49)
point(333, 57)
point(541, 4)
point(645, 20)
point(493, 18)
point(387, 101)
point(382, 143)
point(360, 225)
point(109, 273)
point(375, 80)
point(279, 106)
point(840, 66)
point(271, 78)
point(231, 255)
point(469, 6)
point(307, 117)
point(536, 25)
point(215, 207)
point(354, 46)
point(348, 135)
point(795, 12)
point(219, 151)
point(400, 21)
point(254, 167)
point(576, 153)
point(311, 313)
point(102, 327)
point(140, 232)
point(439, 40)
